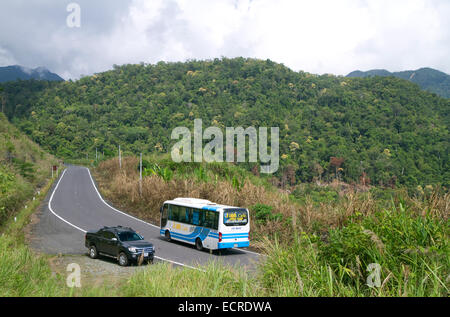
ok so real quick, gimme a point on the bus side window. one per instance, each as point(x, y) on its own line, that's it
point(216, 221)
point(209, 219)
point(206, 219)
point(202, 218)
point(188, 215)
point(177, 213)
point(170, 212)
point(195, 217)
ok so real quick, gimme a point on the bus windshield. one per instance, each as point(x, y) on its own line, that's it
point(235, 217)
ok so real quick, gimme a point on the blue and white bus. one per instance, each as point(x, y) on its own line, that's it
point(205, 224)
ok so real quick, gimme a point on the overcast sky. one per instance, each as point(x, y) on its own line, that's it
point(320, 36)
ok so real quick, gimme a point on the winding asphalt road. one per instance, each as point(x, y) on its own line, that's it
point(74, 206)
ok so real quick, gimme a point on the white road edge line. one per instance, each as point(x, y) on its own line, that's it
point(123, 213)
point(84, 231)
point(54, 213)
point(98, 193)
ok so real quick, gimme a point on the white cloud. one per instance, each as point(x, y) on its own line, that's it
point(6, 57)
point(324, 36)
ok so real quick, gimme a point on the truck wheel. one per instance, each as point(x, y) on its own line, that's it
point(167, 235)
point(198, 244)
point(123, 259)
point(93, 254)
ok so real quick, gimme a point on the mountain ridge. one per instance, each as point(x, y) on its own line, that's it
point(17, 72)
point(427, 78)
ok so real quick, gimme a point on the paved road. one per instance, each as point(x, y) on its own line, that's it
point(75, 206)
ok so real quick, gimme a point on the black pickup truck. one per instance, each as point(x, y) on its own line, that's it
point(124, 244)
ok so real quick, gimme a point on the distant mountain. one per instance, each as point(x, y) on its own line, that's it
point(427, 78)
point(16, 72)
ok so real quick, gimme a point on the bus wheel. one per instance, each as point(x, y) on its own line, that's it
point(167, 234)
point(199, 244)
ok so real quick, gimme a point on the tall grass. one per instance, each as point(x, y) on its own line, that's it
point(412, 252)
point(27, 274)
point(24, 274)
point(214, 280)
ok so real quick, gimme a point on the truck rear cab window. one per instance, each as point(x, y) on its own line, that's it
point(107, 235)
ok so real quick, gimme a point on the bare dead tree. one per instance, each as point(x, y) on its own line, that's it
point(336, 162)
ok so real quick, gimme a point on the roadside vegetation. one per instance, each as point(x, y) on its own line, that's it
point(322, 240)
point(24, 169)
point(25, 179)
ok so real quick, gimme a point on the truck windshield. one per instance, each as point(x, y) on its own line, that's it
point(129, 236)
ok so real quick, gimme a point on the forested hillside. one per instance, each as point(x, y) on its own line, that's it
point(381, 131)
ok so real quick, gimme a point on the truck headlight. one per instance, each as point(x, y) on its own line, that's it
point(132, 249)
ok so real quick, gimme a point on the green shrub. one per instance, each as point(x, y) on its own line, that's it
point(201, 174)
point(7, 180)
point(13, 191)
point(25, 169)
point(352, 247)
point(164, 172)
point(317, 194)
point(263, 213)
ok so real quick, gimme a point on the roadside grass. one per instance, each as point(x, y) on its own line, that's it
point(411, 251)
point(25, 273)
point(14, 226)
point(213, 280)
